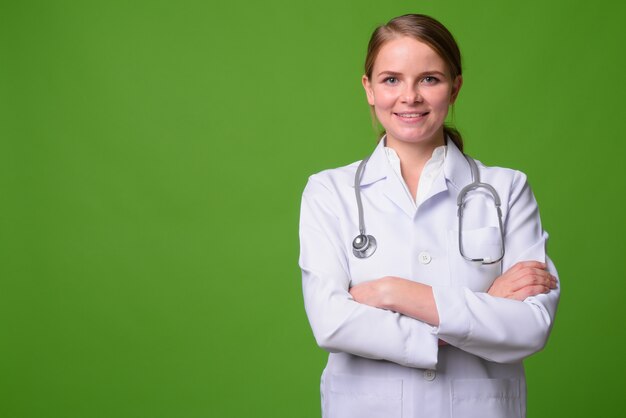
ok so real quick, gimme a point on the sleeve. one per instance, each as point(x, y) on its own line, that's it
point(498, 329)
point(339, 323)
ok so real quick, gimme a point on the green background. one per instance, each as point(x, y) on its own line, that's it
point(152, 157)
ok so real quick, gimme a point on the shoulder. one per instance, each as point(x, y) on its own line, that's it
point(331, 180)
point(329, 192)
point(507, 178)
point(512, 185)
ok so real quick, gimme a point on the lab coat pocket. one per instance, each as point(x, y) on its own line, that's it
point(363, 397)
point(486, 398)
point(477, 243)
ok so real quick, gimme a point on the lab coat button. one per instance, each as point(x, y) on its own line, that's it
point(430, 375)
point(424, 257)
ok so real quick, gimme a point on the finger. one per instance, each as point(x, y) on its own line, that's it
point(530, 264)
point(545, 278)
point(530, 277)
point(553, 282)
point(522, 270)
point(535, 272)
point(529, 291)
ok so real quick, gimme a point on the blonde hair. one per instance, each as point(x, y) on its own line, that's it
point(424, 29)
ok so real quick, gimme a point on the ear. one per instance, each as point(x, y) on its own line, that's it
point(368, 90)
point(456, 87)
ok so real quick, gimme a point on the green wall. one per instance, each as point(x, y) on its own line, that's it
point(152, 157)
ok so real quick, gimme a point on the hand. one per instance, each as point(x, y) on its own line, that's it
point(524, 279)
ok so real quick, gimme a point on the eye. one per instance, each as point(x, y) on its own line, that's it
point(429, 79)
point(390, 80)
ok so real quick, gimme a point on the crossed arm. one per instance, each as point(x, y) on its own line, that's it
point(507, 324)
point(416, 300)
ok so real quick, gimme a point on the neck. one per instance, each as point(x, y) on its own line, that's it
point(415, 155)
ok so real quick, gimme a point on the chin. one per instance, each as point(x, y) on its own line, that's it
point(414, 138)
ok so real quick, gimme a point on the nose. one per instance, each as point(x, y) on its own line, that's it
point(412, 95)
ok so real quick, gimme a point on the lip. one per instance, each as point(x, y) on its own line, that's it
point(411, 116)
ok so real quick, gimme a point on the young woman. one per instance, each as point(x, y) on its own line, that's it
point(425, 273)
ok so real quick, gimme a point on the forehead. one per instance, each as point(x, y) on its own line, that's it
point(405, 54)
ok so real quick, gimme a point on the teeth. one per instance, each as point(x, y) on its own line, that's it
point(411, 115)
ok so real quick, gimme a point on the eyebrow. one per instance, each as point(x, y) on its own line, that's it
point(393, 73)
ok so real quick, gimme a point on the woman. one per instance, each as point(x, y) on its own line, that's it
point(413, 327)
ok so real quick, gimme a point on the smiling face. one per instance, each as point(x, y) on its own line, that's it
point(411, 90)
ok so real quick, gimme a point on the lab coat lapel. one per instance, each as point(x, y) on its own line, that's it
point(375, 169)
point(456, 169)
point(395, 191)
point(379, 168)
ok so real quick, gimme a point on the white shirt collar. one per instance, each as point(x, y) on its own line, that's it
point(432, 169)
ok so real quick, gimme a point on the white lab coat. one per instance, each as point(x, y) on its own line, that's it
point(383, 364)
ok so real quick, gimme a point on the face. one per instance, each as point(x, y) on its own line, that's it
point(411, 90)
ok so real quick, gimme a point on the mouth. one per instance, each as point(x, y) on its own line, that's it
point(411, 115)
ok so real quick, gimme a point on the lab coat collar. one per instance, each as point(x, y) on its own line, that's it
point(455, 170)
point(455, 167)
point(377, 167)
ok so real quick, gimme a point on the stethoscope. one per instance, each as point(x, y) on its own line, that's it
point(363, 246)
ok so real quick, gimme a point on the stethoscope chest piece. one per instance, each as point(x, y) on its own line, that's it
point(363, 246)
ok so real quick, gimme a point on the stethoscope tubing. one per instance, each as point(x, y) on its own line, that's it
point(363, 245)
